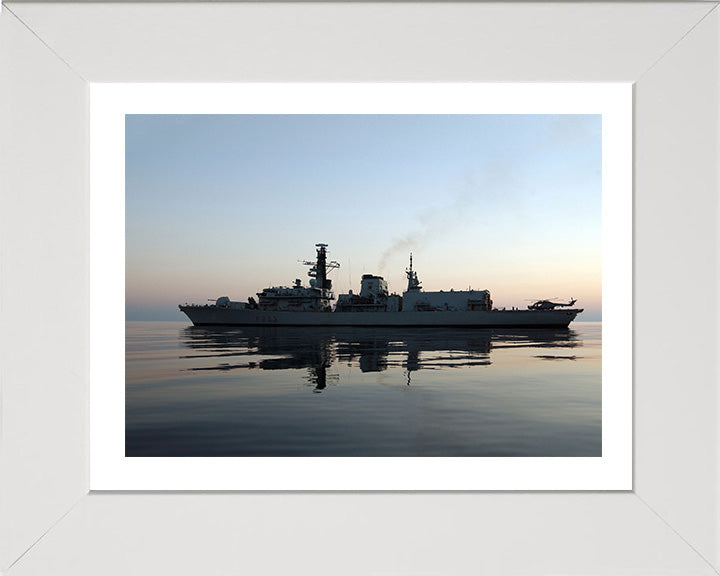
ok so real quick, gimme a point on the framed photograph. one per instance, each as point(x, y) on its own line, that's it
point(66, 504)
point(517, 185)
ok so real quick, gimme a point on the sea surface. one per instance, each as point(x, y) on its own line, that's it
point(274, 391)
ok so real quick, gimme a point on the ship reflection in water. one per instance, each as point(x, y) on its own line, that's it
point(371, 349)
point(235, 391)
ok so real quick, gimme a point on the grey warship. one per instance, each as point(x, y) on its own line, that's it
point(312, 305)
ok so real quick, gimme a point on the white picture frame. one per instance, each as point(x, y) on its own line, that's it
point(668, 523)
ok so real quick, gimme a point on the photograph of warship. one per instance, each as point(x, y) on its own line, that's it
point(312, 305)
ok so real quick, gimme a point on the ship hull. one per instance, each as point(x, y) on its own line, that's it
point(217, 316)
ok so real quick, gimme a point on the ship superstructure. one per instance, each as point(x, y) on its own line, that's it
point(317, 297)
point(312, 305)
point(414, 298)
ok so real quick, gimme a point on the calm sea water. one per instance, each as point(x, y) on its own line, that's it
point(196, 391)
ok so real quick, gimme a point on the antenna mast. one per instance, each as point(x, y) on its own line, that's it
point(321, 267)
point(413, 282)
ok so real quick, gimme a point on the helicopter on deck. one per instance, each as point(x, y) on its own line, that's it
point(550, 305)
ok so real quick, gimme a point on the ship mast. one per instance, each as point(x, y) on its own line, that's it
point(321, 267)
point(413, 282)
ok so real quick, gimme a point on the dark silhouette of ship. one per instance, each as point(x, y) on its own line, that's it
point(312, 305)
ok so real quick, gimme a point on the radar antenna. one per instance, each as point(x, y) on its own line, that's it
point(413, 282)
point(321, 267)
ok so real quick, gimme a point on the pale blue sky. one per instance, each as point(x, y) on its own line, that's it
point(227, 204)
